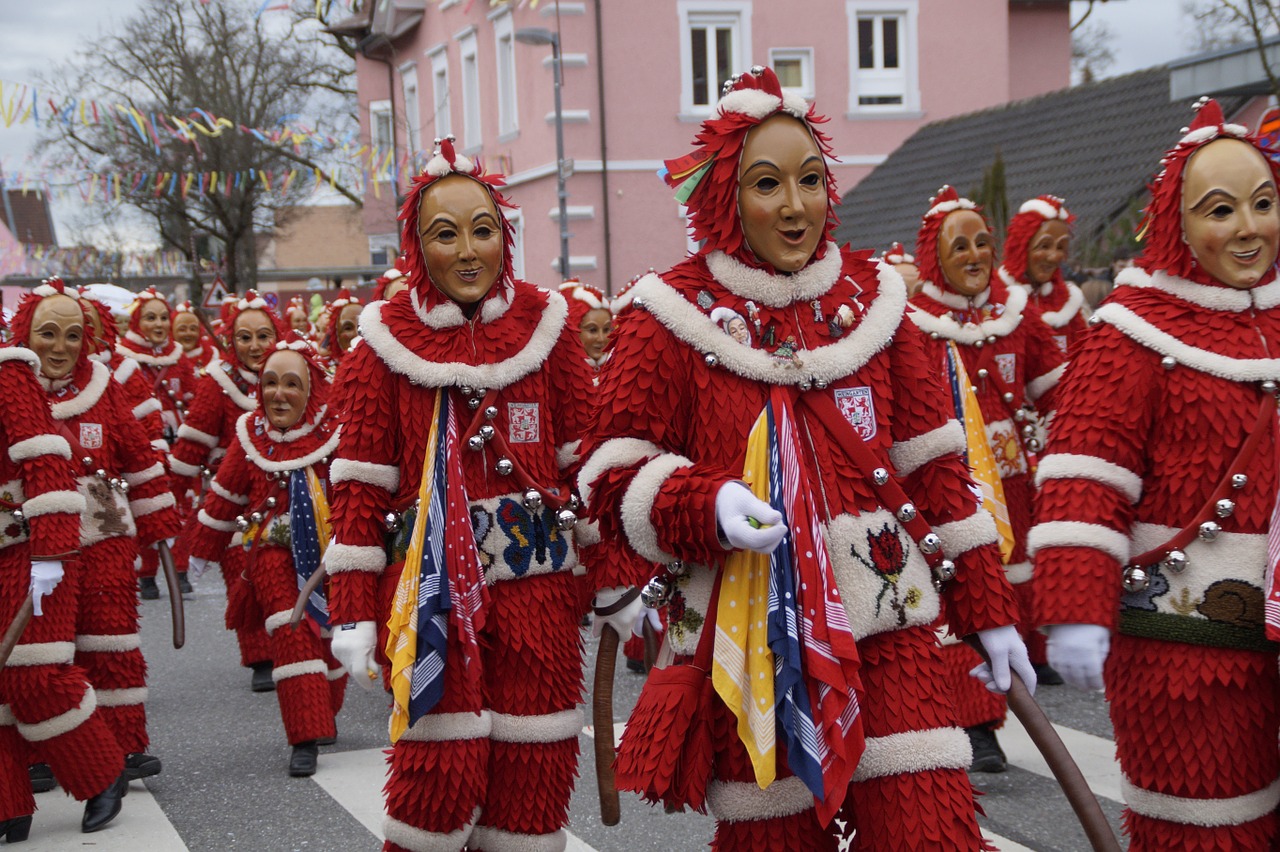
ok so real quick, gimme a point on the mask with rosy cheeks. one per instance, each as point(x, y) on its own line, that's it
point(186, 330)
point(298, 322)
point(1229, 212)
point(1047, 251)
point(154, 321)
point(782, 193)
point(965, 252)
point(595, 329)
point(461, 236)
point(253, 336)
point(57, 335)
point(285, 386)
point(348, 326)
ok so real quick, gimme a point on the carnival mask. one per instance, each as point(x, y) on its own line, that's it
point(965, 252)
point(782, 193)
point(253, 336)
point(348, 326)
point(95, 321)
point(298, 321)
point(186, 330)
point(57, 335)
point(154, 321)
point(595, 329)
point(1229, 214)
point(461, 237)
point(286, 384)
point(395, 286)
point(910, 276)
point(1047, 250)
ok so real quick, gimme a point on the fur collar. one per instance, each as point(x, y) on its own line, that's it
point(448, 314)
point(133, 346)
point(1204, 295)
point(955, 300)
point(393, 348)
point(1055, 318)
point(255, 455)
point(218, 369)
point(777, 290)
point(290, 435)
point(945, 326)
point(823, 364)
point(99, 377)
point(19, 353)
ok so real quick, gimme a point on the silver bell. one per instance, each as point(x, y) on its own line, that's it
point(1135, 579)
point(991, 338)
point(711, 359)
point(1034, 445)
point(677, 568)
point(532, 500)
point(945, 571)
point(1224, 508)
point(1269, 386)
point(87, 460)
point(100, 473)
point(392, 522)
point(491, 412)
point(271, 502)
point(1239, 480)
point(242, 523)
point(805, 384)
point(930, 544)
point(906, 513)
point(475, 443)
point(474, 403)
point(1008, 397)
point(982, 373)
point(1209, 530)
point(124, 487)
point(638, 303)
point(1168, 362)
point(1094, 320)
point(880, 475)
point(504, 467)
point(978, 344)
point(487, 432)
point(1175, 562)
point(256, 517)
point(656, 593)
point(933, 335)
point(565, 519)
point(466, 391)
point(819, 384)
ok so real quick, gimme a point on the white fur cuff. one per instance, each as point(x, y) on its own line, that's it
point(122, 697)
point(52, 502)
point(149, 505)
point(1204, 812)
point(144, 476)
point(964, 535)
point(744, 801)
point(61, 724)
point(1078, 534)
point(616, 452)
point(277, 620)
point(496, 840)
point(1078, 466)
point(42, 654)
point(108, 643)
point(190, 433)
point(567, 454)
point(305, 667)
point(238, 499)
point(637, 504)
point(445, 727)
point(1018, 573)
point(384, 476)
point(911, 455)
point(1041, 385)
point(914, 751)
point(40, 445)
point(351, 557)
point(549, 728)
point(420, 840)
point(215, 524)
point(181, 468)
point(146, 407)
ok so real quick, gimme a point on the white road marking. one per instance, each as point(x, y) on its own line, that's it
point(141, 824)
point(1094, 755)
point(1005, 845)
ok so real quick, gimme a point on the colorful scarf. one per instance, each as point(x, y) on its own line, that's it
point(309, 532)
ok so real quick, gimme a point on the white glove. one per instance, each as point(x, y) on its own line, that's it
point(45, 577)
point(168, 541)
point(650, 615)
point(623, 620)
point(353, 645)
point(196, 568)
point(1078, 651)
point(736, 509)
point(1007, 651)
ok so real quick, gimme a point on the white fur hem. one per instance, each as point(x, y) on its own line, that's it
point(759, 104)
point(87, 398)
point(121, 697)
point(52, 502)
point(145, 475)
point(446, 727)
point(955, 300)
point(238, 499)
point(228, 385)
point(297, 432)
point(777, 291)
point(964, 535)
point(351, 557)
point(1041, 385)
point(1236, 810)
point(190, 433)
point(277, 620)
point(946, 327)
point(615, 452)
point(744, 801)
point(1018, 573)
point(18, 353)
point(384, 476)
point(251, 452)
point(1064, 314)
point(911, 455)
point(1078, 466)
point(42, 654)
point(126, 369)
point(567, 454)
point(1078, 534)
point(149, 505)
point(548, 728)
point(167, 360)
point(61, 724)
point(40, 445)
point(215, 524)
point(160, 445)
point(108, 643)
point(914, 751)
point(1206, 296)
point(304, 667)
point(181, 468)
point(149, 406)
point(497, 840)
point(637, 504)
point(420, 840)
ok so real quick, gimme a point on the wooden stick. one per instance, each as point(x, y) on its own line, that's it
point(602, 720)
point(14, 633)
point(300, 606)
point(650, 645)
point(176, 610)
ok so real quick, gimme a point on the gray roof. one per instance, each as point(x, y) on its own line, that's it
point(1096, 145)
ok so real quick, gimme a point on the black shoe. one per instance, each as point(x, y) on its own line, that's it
point(148, 589)
point(262, 681)
point(184, 585)
point(41, 778)
point(302, 764)
point(1047, 675)
point(636, 666)
point(987, 754)
point(16, 830)
point(140, 765)
point(105, 806)
point(327, 741)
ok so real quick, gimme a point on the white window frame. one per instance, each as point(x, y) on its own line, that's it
point(516, 218)
point(805, 57)
point(734, 13)
point(504, 49)
point(412, 106)
point(908, 11)
point(440, 100)
point(381, 110)
point(469, 50)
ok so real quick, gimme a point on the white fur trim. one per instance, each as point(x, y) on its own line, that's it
point(585, 534)
point(441, 374)
point(1144, 333)
point(497, 840)
point(159, 445)
point(141, 477)
point(449, 314)
point(18, 353)
point(53, 501)
point(40, 445)
point(1213, 131)
point(238, 499)
point(1078, 466)
point(149, 505)
point(6, 716)
point(1041, 385)
point(126, 369)
point(251, 452)
point(615, 452)
point(42, 654)
point(950, 207)
point(121, 697)
point(777, 291)
point(215, 524)
point(277, 620)
point(1044, 209)
point(288, 436)
point(228, 385)
point(1206, 296)
point(87, 398)
point(545, 728)
point(1267, 296)
point(964, 535)
point(438, 166)
point(1078, 534)
point(353, 557)
point(181, 468)
point(167, 360)
point(384, 476)
point(1236, 810)
point(298, 669)
point(108, 643)
point(147, 406)
point(914, 453)
point(744, 801)
point(955, 300)
point(446, 727)
point(61, 724)
point(567, 454)
point(899, 258)
point(257, 304)
point(420, 840)
point(946, 327)
point(637, 503)
point(824, 364)
point(759, 104)
point(493, 309)
point(1018, 573)
point(336, 673)
point(1064, 314)
point(190, 433)
point(914, 751)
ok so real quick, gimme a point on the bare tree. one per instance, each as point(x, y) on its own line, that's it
point(258, 71)
point(1091, 53)
point(1226, 23)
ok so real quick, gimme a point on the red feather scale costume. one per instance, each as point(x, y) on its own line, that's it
point(1162, 392)
point(206, 351)
point(172, 378)
point(679, 396)
point(491, 766)
point(1060, 303)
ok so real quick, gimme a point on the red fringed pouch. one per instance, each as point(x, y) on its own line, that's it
point(666, 753)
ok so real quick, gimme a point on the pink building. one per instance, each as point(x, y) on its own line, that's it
point(638, 77)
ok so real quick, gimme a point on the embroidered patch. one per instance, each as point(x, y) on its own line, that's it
point(859, 408)
point(1004, 446)
point(524, 422)
point(91, 435)
point(175, 386)
point(1008, 365)
point(532, 540)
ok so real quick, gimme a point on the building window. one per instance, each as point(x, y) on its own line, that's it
point(882, 50)
point(472, 139)
point(440, 93)
point(715, 39)
point(505, 46)
point(794, 67)
point(409, 82)
point(380, 138)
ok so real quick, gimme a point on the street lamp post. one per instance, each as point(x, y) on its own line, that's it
point(542, 35)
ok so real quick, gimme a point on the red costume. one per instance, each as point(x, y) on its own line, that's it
point(172, 378)
point(1178, 370)
point(1059, 302)
point(206, 352)
point(333, 318)
point(491, 766)
point(679, 397)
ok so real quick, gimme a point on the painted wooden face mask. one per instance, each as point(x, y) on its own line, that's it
point(286, 386)
point(57, 335)
point(782, 193)
point(461, 238)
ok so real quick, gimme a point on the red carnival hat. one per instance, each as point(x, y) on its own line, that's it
point(898, 254)
point(582, 299)
point(1023, 226)
point(382, 281)
point(105, 318)
point(135, 312)
point(947, 201)
point(250, 301)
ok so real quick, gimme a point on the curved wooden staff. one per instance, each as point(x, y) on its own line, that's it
point(176, 610)
point(1065, 770)
point(14, 633)
point(602, 720)
point(300, 606)
point(651, 642)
